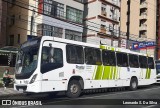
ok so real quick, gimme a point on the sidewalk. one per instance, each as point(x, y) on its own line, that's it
point(8, 91)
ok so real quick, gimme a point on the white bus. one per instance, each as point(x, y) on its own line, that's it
point(48, 64)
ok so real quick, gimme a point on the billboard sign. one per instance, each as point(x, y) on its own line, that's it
point(143, 45)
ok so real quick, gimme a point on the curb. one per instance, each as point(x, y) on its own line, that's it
point(9, 95)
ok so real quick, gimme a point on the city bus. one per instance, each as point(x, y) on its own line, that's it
point(50, 64)
point(158, 70)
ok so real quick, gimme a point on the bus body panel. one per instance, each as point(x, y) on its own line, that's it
point(93, 76)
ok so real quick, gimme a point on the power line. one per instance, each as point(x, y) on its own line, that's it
point(49, 16)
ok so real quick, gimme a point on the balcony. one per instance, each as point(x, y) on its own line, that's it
point(115, 18)
point(144, 5)
point(143, 27)
point(143, 16)
point(103, 30)
point(103, 13)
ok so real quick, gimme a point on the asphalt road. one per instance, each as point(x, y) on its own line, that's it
point(112, 98)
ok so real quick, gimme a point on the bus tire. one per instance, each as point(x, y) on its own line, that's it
point(74, 89)
point(133, 84)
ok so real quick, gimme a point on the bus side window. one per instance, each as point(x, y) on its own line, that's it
point(108, 58)
point(143, 62)
point(150, 63)
point(75, 54)
point(133, 61)
point(51, 60)
point(92, 56)
point(122, 59)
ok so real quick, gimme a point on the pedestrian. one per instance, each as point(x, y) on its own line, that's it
point(6, 78)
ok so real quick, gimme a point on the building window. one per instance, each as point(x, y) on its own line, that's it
point(73, 35)
point(47, 7)
point(47, 30)
point(74, 15)
point(53, 8)
point(57, 10)
point(57, 32)
point(81, 1)
point(18, 39)
point(11, 40)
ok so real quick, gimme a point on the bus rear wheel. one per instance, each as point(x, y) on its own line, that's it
point(74, 89)
point(133, 84)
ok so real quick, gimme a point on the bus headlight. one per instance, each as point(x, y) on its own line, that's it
point(33, 79)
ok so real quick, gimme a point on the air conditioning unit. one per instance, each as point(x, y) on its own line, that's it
point(112, 8)
point(110, 27)
point(115, 18)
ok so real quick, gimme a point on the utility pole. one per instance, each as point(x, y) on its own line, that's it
point(128, 22)
point(32, 19)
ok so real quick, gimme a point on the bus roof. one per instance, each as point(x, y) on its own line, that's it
point(90, 45)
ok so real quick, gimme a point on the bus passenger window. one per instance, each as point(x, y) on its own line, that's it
point(143, 62)
point(122, 59)
point(51, 59)
point(108, 58)
point(150, 63)
point(74, 54)
point(93, 56)
point(133, 61)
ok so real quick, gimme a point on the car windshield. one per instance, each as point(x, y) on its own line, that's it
point(27, 60)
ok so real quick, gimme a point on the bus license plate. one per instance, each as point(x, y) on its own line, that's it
point(21, 90)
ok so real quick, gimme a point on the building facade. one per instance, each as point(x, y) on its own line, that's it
point(3, 25)
point(158, 30)
point(142, 24)
point(17, 22)
point(59, 18)
point(102, 22)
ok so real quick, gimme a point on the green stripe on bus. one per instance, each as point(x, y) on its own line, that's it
point(94, 72)
point(111, 73)
point(116, 76)
point(149, 74)
point(106, 72)
point(99, 72)
point(112, 49)
point(146, 73)
point(115, 70)
point(102, 47)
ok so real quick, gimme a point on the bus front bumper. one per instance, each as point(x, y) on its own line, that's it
point(34, 87)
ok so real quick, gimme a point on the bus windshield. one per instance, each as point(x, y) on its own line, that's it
point(27, 60)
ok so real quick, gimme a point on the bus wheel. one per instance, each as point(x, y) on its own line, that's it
point(133, 84)
point(74, 89)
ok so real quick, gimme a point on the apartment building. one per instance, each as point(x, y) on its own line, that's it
point(57, 18)
point(142, 25)
point(158, 30)
point(3, 20)
point(60, 18)
point(102, 22)
point(17, 22)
